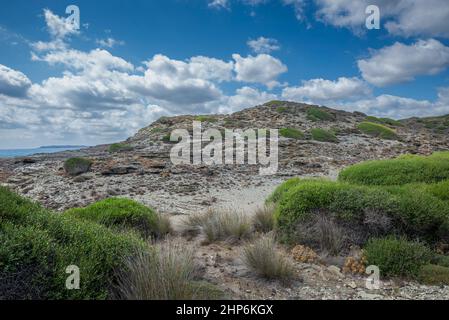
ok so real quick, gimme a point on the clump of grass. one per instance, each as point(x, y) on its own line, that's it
point(402, 170)
point(318, 114)
point(120, 147)
point(264, 258)
point(77, 166)
point(377, 130)
point(263, 219)
point(224, 225)
point(204, 118)
point(397, 257)
point(291, 133)
point(163, 226)
point(434, 275)
point(119, 213)
point(323, 135)
point(167, 273)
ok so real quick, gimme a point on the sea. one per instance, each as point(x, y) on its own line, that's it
point(11, 153)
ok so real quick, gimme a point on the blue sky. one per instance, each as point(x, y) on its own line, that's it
point(131, 62)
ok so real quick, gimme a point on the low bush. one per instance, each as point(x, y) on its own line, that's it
point(402, 170)
point(38, 245)
point(364, 211)
point(291, 133)
point(434, 275)
point(397, 257)
point(282, 189)
point(120, 214)
point(263, 219)
point(377, 130)
point(386, 121)
point(204, 118)
point(323, 135)
point(318, 114)
point(168, 273)
point(119, 147)
point(441, 260)
point(76, 166)
point(264, 258)
point(439, 190)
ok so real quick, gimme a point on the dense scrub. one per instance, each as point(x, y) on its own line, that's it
point(318, 114)
point(37, 246)
point(323, 135)
point(291, 133)
point(377, 130)
point(120, 214)
point(119, 147)
point(402, 170)
point(76, 166)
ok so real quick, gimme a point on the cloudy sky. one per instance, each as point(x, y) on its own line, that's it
point(131, 62)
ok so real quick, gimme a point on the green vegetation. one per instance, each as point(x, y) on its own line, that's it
point(38, 245)
point(364, 211)
point(282, 189)
point(274, 103)
point(323, 135)
point(385, 121)
point(291, 133)
point(377, 130)
point(264, 258)
point(119, 147)
point(204, 118)
point(397, 257)
point(441, 260)
point(168, 273)
point(318, 114)
point(402, 170)
point(434, 275)
point(121, 214)
point(76, 166)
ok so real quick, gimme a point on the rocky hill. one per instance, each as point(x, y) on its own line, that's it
point(140, 167)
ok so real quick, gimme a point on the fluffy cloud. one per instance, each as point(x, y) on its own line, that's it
point(262, 68)
point(245, 97)
point(109, 42)
point(59, 27)
point(401, 63)
point(403, 17)
point(321, 90)
point(263, 45)
point(13, 83)
point(219, 4)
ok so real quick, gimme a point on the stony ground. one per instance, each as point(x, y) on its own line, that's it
point(147, 175)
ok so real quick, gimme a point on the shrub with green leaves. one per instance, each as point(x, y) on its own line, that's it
point(318, 114)
point(77, 166)
point(397, 256)
point(405, 169)
point(38, 245)
point(291, 133)
point(434, 275)
point(364, 211)
point(377, 130)
point(386, 121)
point(204, 118)
point(323, 135)
point(120, 213)
point(120, 147)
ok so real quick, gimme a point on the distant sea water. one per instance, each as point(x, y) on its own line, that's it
point(11, 153)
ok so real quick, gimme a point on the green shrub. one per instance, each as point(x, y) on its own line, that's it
point(439, 190)
point(119, 147)
point(364, 211)
point(434, 275)
point(76, 166)
point(386, 121)
point(397, 257)
point(405, 169)
point(441, 260)
point(318, 114)
point(377, 130)
point(38, 245)
point(274, 103)
point(323, 135)
point(120, 213)
point(291, 133)
point(203, 118)
point(281, 189)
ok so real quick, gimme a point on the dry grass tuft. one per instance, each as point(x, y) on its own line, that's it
point(263, 220)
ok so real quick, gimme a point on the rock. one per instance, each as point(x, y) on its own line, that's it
point(369, 296)
point(336, 271)
point(119, 170)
